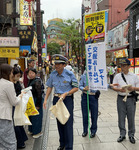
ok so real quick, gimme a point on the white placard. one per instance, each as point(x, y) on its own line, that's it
point(96, 66)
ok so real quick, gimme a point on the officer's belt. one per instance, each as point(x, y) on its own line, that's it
point(125, 95)
point(90, 93)
point(57, 95)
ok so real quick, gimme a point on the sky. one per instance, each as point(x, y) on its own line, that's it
point(64, 9)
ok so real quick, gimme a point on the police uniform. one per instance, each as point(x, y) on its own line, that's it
point(127, 108)
point(93, 106)
point(64, 83)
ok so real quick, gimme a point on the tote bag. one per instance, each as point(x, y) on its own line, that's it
point(60, 111)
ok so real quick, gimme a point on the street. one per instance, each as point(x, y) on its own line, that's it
point(106, 136)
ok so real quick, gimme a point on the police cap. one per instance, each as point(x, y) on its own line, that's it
point(125, 61)
point(59, 59)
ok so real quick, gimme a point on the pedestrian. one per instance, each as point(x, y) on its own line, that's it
point(19, 130)
point(126, 108)
point(111, 73)
point(8, 99)
point(93, 106)
point(65, 84)
point(36, 83)
point(68, 66)
point(30, 64)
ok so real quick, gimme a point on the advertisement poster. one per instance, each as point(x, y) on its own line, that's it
point(136, 61)
point(24, 50)
point(95, 27)
point(121, 53)
point(131, 69)
point(96, 70)
point(137, 71)
point(26, 12)
point(131, 61)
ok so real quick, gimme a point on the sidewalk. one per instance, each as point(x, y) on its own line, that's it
point(108, 132)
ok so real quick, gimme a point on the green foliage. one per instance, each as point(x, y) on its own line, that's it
point(53, 48)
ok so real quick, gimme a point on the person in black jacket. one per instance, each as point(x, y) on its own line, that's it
point(35, 82)
point(19, 130)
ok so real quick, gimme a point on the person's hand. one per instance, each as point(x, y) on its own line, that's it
point(37, 108)
point(131, 89)
point(63, 96)
point(86, 88)
point(44, 104)
point(116, 84)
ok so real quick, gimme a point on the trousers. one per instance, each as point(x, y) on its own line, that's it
point(93, 107)
point(66, 131)
point(126, 109)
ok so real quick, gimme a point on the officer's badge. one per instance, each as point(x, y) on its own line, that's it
point(64, 81)
point(57, 58)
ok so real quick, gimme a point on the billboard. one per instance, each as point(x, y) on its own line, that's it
point(9, 42)
point(9, 52)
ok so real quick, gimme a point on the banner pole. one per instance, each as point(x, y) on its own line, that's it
point(87, 98)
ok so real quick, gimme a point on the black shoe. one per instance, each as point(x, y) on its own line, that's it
point(121, 138)
point(84, 134)
point(21, 147)
point(60, 148)
point(132, 140)
point(92, 135)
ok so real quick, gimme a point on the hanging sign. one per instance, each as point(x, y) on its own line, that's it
point(26, 12)
point(95, 27)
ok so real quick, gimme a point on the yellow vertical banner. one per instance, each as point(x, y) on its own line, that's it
point(95, 27)
point(26, 12)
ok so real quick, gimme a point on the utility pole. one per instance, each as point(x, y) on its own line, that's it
point(38, 20)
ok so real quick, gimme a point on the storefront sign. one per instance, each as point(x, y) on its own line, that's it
point(9, 52)
point(25, 50)
point(95, 27)
point(26, 12)
point(26, 37)
point(96, 70)
point(9, 42)
point(121, 53)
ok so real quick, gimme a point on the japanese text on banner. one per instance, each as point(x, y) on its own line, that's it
point(96, 66)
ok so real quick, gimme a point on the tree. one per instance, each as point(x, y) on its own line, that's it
point(53, 48)
point(71, 33)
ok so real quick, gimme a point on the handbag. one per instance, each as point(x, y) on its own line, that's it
point(60, 111)
point(133, 93)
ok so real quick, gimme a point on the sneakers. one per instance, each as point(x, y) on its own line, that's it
point(37, 135)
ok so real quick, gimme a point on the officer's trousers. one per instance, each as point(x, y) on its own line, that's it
point(128, 109)
point(66, 131)
point(93, 106)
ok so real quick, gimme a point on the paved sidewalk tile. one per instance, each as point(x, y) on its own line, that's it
point(108, 132)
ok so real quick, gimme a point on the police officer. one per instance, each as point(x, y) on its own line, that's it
point(93, 107)
point(128, 107)
point(65, 84)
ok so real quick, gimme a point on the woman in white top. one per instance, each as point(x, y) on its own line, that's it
point(8, 99)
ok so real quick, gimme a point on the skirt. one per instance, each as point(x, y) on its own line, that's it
point(7, 135)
